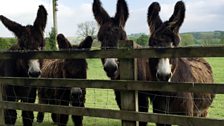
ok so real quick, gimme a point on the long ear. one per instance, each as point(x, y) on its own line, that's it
point(153, 18)
point(63, 43)
point(178, 16)
point(87, 43)
point(122, 13)
point(100, 14)
point(12, 26)
point(41, 19)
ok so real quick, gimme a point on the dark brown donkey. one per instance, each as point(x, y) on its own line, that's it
point(65, 68)
point(110, 32)
point(166, 34)
point(29, 37)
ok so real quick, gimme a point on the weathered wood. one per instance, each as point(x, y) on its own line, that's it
point(129, 86)
point(116, 114)
point(128, 72)
point(119, 53)
point(2, 116)
point(116, 84)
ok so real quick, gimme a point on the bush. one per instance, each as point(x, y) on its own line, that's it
point(143, 40)
point(51, 40)
point(6, 43)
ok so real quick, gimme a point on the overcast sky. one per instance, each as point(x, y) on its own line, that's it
point(201, 15)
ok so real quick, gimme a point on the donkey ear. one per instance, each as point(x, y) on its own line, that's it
point(63, 43)
point(122, 13)
point(100, 14)
point(41, 19)
point(16, 28)
point(153, 18)
point(86, 43)
point(177, 19)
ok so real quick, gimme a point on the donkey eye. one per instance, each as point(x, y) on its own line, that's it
point(116, 29)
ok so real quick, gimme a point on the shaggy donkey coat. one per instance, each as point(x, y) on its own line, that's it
point(30, 37)
point(65, 68)
point(110, 32)
point(166, 34)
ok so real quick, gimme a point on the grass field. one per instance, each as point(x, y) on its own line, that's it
point(97, 98)
point(217, 108)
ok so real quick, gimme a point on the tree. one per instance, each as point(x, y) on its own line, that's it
point(87, 28)
point(51, 41)
point(143, 40)
point(139, 38)
point(207, 39)
point(187, 40)
point(6, 43)
point(222, 38)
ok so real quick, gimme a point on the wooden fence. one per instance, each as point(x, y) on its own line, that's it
point(128, 84)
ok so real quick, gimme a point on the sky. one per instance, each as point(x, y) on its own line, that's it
point(201, 15)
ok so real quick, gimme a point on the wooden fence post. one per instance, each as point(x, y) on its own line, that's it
point(128, 69)
point(2, 116)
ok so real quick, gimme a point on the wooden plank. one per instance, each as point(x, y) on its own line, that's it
point(119, 53)
point(116, 114)
point(116, 84)
point(2, 115)
point(129, 99)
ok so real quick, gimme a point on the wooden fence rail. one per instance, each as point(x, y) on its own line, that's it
point(119, 53)
point(116, 84)
point(129, 86)
point(116, 114)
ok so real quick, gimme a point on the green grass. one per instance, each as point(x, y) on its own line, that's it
point(216, 110)
point(100, 98)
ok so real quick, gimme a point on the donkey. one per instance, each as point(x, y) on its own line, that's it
point(166, 34)
point(110, 32)
point(65, 68)
point(29, 37)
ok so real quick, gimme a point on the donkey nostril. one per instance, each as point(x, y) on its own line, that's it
point(110, 70)
point(168, 76)
point(163, 77)
point(34, 74)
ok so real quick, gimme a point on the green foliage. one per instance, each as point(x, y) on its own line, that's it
point(5, 43)
point(222, 38)
point(187, 40)
point(51, 41)
point(222, 41)
point(208, 38)
point(141, 38)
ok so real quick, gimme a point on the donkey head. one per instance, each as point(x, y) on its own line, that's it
point(30, 37)
point(74, 68)
point(111, 31)
point(164, 34)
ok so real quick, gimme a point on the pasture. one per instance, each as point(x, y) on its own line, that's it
point(99, 98)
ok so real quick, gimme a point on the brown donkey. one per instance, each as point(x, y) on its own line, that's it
point(29, 37)
point(110, 32)
point(65, 68)
point(166, 34)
